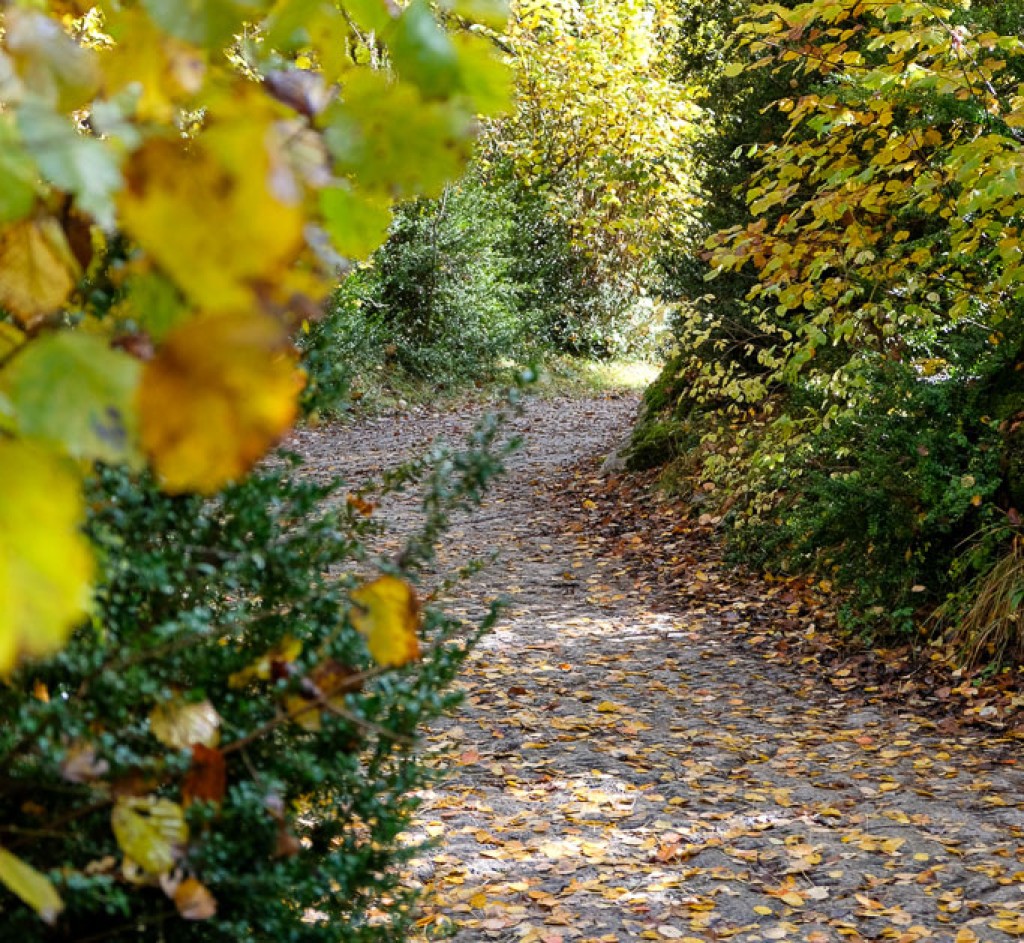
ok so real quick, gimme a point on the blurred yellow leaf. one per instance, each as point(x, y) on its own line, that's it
point(46, 565)
point(163, 69)
point(37, 270)
point(233, 384)
point(324, 687)
point(10, 339)
point(151, 832)
point(230, 231)
point(387, 613)
point(34, 888)
point(181, 724)
point(285, 652)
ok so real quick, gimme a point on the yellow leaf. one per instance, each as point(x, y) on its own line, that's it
point(608, 707)
point(285, 651)
point(34, 888)
point(46, 565)
point(180, 724)
point(230, 231)
point(324, 688)
point(151, 832)
point(37, 271)
point(165, 70)
point(792, 898)
point(10, 339)
point(233, 384)
point(387, 613)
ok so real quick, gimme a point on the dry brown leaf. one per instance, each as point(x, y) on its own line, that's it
point(37, 269)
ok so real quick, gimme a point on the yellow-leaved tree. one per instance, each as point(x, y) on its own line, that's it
point(601, 127)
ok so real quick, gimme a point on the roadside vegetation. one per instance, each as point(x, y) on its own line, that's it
point(219, 219)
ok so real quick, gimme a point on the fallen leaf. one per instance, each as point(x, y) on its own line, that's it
point(194, 900)
point(181, 724)
point(151, 832)
point(206, 779)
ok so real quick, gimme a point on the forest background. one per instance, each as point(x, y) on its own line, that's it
point(811, 211)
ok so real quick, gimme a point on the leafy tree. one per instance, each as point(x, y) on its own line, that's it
point(876, 279)
point(440, 293)
point(597, 150)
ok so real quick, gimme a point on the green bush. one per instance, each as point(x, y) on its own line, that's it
point(240, 602)
point(890, 504)
point(439, 296)
point(566, 301)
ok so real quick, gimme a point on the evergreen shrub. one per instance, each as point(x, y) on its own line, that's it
point(240, 605)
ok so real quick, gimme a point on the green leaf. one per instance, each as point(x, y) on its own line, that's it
point(289, 26)
point(423, 53)
point(34, 888)
point(368, 135)
point(18, 172)
point(154, 304)
point(70, 389)
point(55, 70)
point(484, 78)
point(493, 13)
point(356, 224)
point(150, 831)
point(80, 165)
point(370, 15)
point(207, 23)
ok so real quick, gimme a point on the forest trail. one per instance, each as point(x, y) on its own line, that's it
point(630, 764)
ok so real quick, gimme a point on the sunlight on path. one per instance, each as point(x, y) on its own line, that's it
point(621, 773)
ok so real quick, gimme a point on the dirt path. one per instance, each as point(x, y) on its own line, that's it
point(627, 770)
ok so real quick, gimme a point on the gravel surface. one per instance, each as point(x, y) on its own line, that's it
point(624, 768)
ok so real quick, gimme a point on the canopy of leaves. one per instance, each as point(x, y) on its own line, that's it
point(600, 128)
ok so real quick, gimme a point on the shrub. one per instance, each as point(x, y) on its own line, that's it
point(885, 503)
point(234, 616)
point(439, 296)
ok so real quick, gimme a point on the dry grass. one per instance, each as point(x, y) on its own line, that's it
point(991, 631)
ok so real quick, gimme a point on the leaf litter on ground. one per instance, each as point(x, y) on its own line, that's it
point(655, 746)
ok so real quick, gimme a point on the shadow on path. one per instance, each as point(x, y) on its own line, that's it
point(622, 772)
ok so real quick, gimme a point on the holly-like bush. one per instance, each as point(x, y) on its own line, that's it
point(229, 751)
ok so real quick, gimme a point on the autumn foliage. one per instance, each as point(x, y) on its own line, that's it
point(181, 186)
point(847, 378)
